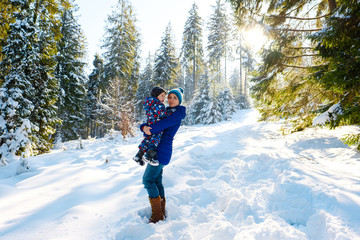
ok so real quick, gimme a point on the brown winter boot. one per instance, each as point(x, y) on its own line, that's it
point(163, 203)
point(157, 214)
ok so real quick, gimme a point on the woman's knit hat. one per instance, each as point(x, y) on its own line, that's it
point(178, 92)
point(156, 91)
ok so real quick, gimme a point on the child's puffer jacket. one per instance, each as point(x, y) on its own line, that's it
point(155, 110)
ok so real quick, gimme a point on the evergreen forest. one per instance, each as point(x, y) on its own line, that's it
point(308, 73)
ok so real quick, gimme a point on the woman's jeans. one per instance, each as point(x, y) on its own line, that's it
point(152, 180)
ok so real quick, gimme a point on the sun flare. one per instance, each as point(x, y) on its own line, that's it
point(255, 38)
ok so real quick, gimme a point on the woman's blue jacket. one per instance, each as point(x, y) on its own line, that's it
point(169, 126)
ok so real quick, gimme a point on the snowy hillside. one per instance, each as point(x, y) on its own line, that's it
point(239, 179)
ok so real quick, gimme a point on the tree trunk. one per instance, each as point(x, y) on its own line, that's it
point(332, 5)
point(240, 68)
point(194, 69)
point(225, 62)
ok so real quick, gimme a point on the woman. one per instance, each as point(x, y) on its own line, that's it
point(152, 178)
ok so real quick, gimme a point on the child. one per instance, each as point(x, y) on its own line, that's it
point(155, 111)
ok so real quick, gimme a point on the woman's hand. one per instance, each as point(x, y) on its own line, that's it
point(146, 130)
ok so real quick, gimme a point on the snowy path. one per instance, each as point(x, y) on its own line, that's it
point(233, 180)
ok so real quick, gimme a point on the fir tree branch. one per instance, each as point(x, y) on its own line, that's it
point(304, 55)
point(297, 30)
point(300, 48)
point(295, 66)
point(306, 102)
point(299, 18)
point(292, 66)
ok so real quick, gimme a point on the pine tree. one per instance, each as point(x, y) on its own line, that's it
point(122, 65)
point(121, 45)
point(218, 39)
point(200, 101)
point(339, 44)
point(95, 86)
point(166, 62)
point(212, 114)
point(44, 115)
point(17, 91)
point(70, 73)
point(192, 51)
point(27, 95)
point(227, 104)
point(205, 108)
point(145, 86)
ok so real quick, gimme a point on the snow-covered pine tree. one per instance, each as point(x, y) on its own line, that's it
point(95, 86)
point(70, 73)
point(166, 62)
point(204, 108)
point(227, 104)
point(121, 45)
point(200, 100)
point(338, 43)
point(21, 68)
point(213, 112)
point(145, 85)
point(192, 53)
point(218, 39)
point(44, 116)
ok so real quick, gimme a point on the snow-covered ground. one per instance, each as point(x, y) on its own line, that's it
point(239, 179)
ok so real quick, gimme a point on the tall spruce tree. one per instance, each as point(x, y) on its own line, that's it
point(121, 45)
point(338, 43)
point(205, 108)
point(218, 39)
point(192, 51)
point(95, 86)
point(44, 115)
point(166, 62)
point(17, 92)
point(27, 95)
point(70, 73)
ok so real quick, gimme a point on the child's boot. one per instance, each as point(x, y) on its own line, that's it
point(139, 158)
point(150, 157)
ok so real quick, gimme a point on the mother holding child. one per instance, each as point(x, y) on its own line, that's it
point(156, 147)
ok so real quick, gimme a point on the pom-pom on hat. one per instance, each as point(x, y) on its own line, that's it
point(156, 91)
point(178, 92)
